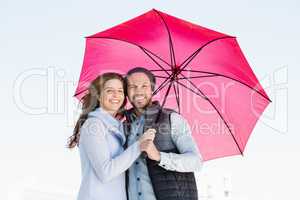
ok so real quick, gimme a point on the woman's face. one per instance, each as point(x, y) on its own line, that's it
point(112, 96)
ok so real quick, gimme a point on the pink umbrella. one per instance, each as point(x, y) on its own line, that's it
point(201, 73)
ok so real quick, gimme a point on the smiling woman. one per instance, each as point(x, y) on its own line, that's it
point(106, 91)
point(99, 135)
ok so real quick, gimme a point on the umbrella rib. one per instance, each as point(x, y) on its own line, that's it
point(172, 52)
point(162, 85)
point(157, 76)
point(192, 56)
point(158, 58)
point(205, 76)
point(168, 79)
point(177, 96)
point(154, 60)
point(217, 74)
point(167, 93)
point(164, 101)
point(159, 70)
point(220, 115)
point(188, 60)
point(112, 38)
point(179, 83)
point(78, 93)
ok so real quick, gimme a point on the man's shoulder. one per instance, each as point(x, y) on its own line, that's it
point(169, 110)
point(176, 117)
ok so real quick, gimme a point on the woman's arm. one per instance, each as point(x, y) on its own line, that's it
point(95, 145)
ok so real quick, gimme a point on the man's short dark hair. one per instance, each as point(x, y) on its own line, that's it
point(147, 72)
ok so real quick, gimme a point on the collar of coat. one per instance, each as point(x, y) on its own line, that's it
point(113, 125)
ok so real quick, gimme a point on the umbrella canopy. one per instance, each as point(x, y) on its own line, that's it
point(201, 73)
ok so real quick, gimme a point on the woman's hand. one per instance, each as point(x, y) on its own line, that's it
point(148, 135)
point(147, 145)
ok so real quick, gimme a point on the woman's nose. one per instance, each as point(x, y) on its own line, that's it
point(116, 94)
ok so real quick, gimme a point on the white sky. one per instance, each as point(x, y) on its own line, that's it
point(47, 38)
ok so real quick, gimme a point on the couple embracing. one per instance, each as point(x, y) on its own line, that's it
point(145, 153)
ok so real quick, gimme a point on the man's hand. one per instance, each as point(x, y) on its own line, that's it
point(149, 147)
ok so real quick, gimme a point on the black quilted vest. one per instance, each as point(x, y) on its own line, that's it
point(167, 185)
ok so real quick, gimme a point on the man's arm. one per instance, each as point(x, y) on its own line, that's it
point(189, 159)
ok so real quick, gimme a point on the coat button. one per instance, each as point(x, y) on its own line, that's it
point(136, 163)
point(138, 179)
point(140, 193)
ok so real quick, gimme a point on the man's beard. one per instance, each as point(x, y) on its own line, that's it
point(142, 109)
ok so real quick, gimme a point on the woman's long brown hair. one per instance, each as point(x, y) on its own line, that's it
point(91, 101)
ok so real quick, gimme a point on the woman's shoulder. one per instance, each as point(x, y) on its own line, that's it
point(93, 126)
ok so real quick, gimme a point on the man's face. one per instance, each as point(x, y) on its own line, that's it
point(139, 90)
